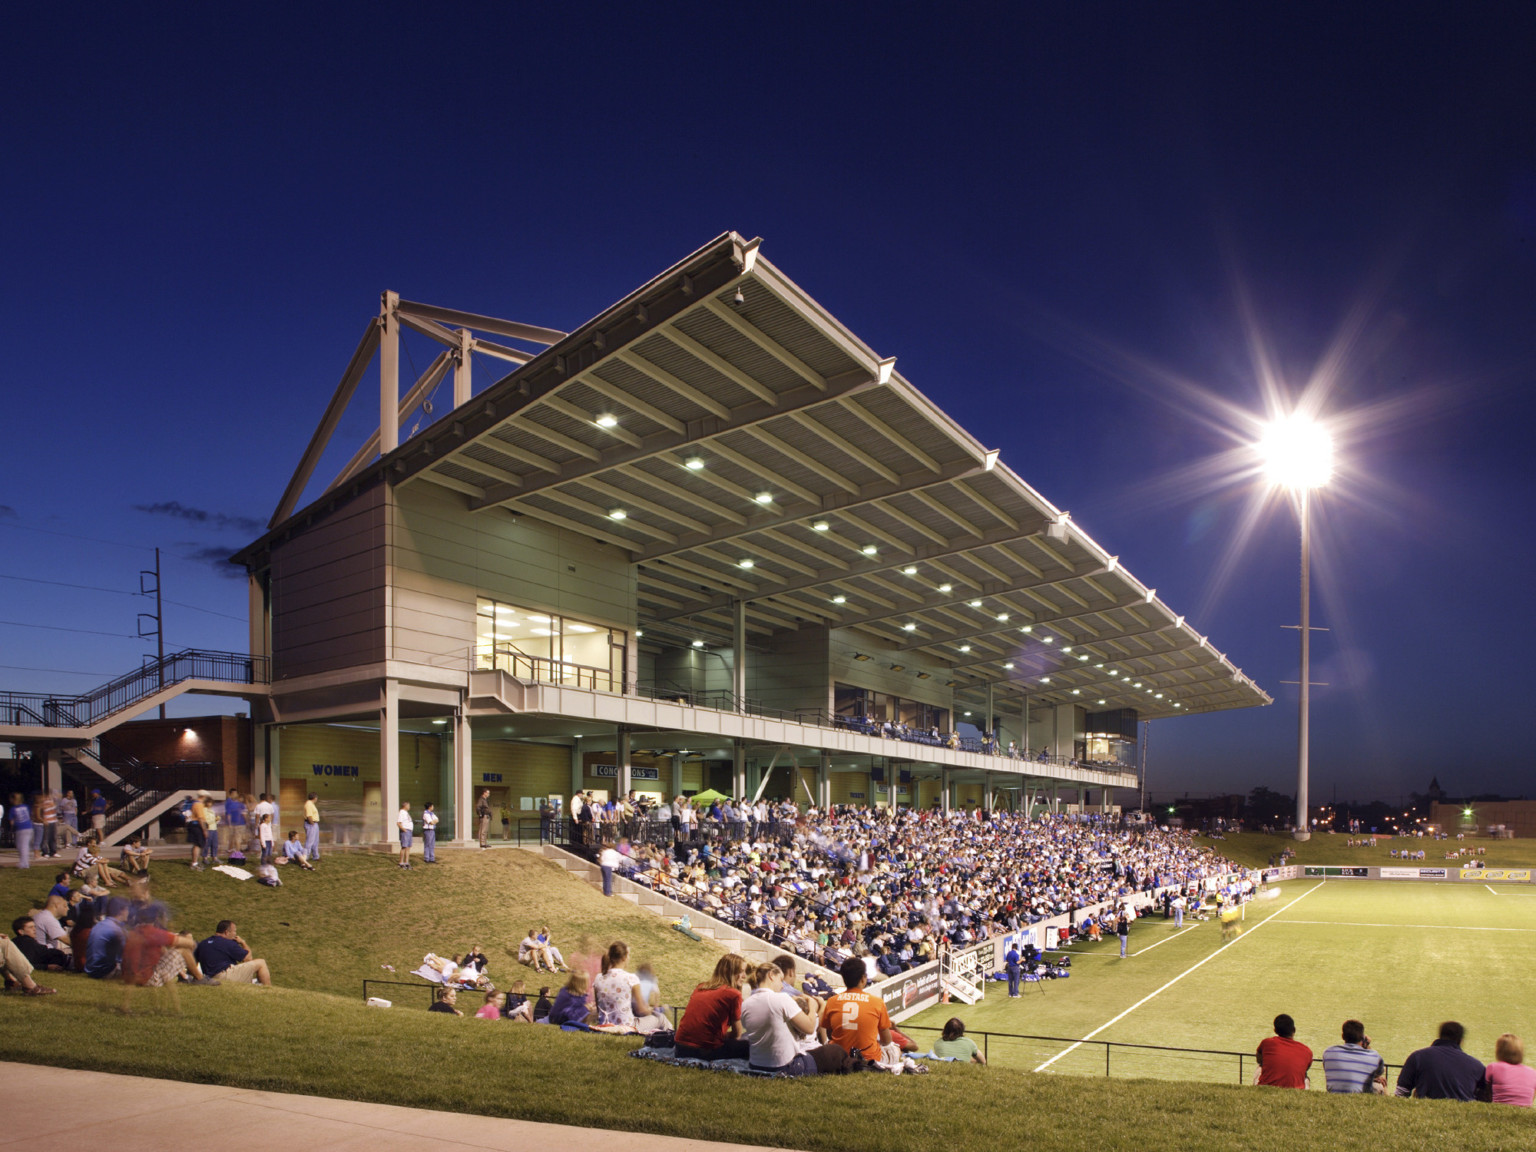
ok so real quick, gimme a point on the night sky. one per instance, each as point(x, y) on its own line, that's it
point(1090, 238)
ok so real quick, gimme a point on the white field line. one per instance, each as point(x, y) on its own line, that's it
point(1490, 888)
point(1435, 927)
point(1164, 940)
point(1198, 964)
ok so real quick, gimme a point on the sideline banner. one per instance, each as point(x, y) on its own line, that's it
point(1515, 875)
point(911, 991)
point(1414, 874)
point(1334, 870)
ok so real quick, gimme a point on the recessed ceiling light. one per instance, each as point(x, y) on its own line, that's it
point(617, 514)
point(946, 587)
point(869, 550)
point(1047, 640)
point(1002, 617)
point(439, 721)
point(764, 497)
point(745, 562)
point(1082, 655)
point(1176, 704)
point(1045, 679)
point(607, 420)
point(1075, 692)
point(694, 463)
point(1009, 665)
point(1066, 647)
point(821, 526)
point(909, 627)
point(839, 599)
point(965, 647)
point(638, 632)
point(975, 603)
point(1106, 702)
point(967, 713)
point(1159, 696)
point(909, 570)
point(1098, 665)
point(698, 643)
point(1027, 628)
point(1138, 684)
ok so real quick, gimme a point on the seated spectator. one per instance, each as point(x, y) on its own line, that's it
point(515, 1005)
point(1283, 1060)
point(1509, 1080)
point(225, 957)
point(621, 1000)
point(956, 1045)
point(104, 950)
point(546, 941)
point(154, 956)
point(447, 1000)
point(135, 857)
point(570, 1009)
point(855, 1019)
point(1442, 1071)
point(530, 951)
point(774, 1025)
point(92, 868)
point(80, 934)
point(492, 1008)
point(295, 852)
point(1352, 1066)
point(711, 1025)
point(542, 1006)
point(16, 970)
point(48, 920)
point(61, 886)
point(24, 935)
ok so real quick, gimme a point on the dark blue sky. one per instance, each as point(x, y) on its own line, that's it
point(1046, 218)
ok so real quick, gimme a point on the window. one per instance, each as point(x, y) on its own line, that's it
point(531, 644)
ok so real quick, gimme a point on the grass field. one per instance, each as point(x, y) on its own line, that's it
point(325, 932)
point(1399, 955)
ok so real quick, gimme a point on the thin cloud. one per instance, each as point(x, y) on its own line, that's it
point(6, 511)
point(215, 558)
point(221, 520)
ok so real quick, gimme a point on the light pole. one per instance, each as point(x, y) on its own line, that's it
point(1298, 456)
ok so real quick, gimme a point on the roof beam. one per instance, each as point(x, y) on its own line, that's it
point(891, 434)
point(954, 518)
point(598, 513)
point(418, 392)
point(721, 365)
point(452, 317)
point(804, 459)
point(769, 345)
point(644, 408)
point(842, 445)
point(698, 433)
point(661, 376)
point(582, 416)
point(333, 412)
point(630, 472)
point(875, 564)
point(763, 472)
point(523, 422)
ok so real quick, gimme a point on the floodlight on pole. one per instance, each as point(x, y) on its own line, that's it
point(1298, 456)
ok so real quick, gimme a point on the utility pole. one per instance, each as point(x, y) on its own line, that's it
point(158, 618)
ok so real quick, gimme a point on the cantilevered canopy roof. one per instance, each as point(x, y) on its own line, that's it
point(739, 443)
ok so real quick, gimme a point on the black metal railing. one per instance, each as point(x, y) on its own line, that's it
point(43, 710)
point(1083, 1057)
point(544, 670)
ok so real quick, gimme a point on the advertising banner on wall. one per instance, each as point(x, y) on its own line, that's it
point(1507, 875)
point(911, 990)
point(1414, 873)
point(1332, 870)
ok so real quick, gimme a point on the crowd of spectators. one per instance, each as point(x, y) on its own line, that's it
point(894, 886)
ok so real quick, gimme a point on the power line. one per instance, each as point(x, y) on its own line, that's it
point(117, 592)
point(76, 536)
point(58, 628)
point(60, 671)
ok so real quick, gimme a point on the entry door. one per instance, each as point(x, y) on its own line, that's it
point(373, 813)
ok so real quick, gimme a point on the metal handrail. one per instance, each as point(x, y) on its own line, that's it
point(52, 711)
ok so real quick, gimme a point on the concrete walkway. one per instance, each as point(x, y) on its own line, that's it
point(142, 1115)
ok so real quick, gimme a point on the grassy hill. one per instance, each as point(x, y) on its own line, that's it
point(324, 933)
point(1255, 849)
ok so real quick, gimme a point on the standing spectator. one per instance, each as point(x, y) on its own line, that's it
point(48, 811)
point(1352, 1066)
point(607, 860)
point(483, 816)
point(1442, 1071)
point(1509, 1080)
point(197, 828)
point(210, 830)
point(226, 957)
point(69, 818)
point(236, 818)
point(1011, 966)
point(265, 807)
point(98, 812)
point(312, 827)
point(1283, 1060)
point(1123, 930)
point(429, 833)
point(264, 835)
point(403, 823)
point(21, 827)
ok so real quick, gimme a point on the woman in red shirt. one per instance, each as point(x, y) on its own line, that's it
point(711, 1024)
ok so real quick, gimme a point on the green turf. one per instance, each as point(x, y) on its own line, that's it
point(324, 932)
point(1255, 849)
point(1399, 955)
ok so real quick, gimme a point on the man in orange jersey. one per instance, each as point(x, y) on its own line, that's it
point(854, 1019)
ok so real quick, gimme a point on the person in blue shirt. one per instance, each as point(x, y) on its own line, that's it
point(21, 826)
point(1011, 966)
point(293, 851)
point(104, 949)
point(98, 811)
point(234, 816)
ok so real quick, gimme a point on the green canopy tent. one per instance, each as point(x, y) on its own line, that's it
point(708, 796)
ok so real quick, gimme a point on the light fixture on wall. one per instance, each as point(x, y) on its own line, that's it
point(898, 667)
point(923, 676)
point(860, 656)
point(698, 643)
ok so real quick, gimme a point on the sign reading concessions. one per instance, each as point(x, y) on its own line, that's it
point(334, 769)
point(1332, 870)
point(635, 773)
point(1413, 874)
point(911, 990)
point(1515, 875)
